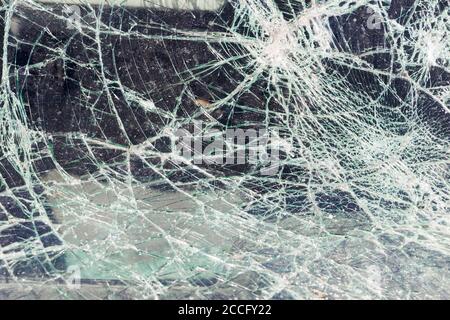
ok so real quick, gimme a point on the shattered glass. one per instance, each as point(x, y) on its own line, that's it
point(97, 202)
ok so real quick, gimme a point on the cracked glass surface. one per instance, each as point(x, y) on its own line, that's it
point(96, 201)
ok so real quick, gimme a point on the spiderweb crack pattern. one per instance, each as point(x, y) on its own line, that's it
point(356, 94)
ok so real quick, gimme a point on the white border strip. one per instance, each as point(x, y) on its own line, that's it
point(203, 5)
